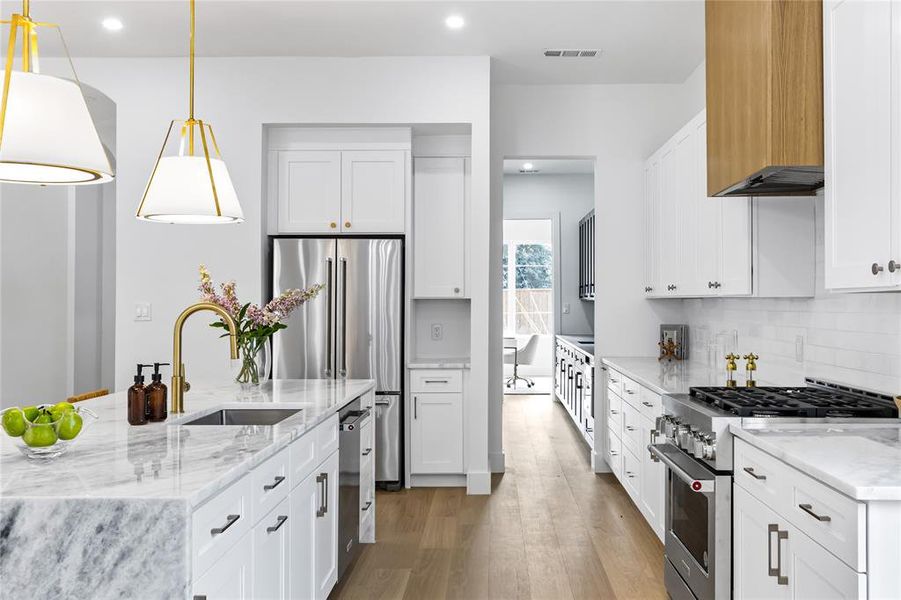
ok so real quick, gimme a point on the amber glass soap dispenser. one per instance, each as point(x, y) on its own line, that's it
point(157, 395)
point(137, 400)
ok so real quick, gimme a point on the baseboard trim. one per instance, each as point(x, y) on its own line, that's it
point(599, 463)
point(441, 480)
point(478, 483)
point(497, 462)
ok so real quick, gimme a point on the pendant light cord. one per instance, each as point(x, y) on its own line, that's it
point(191, 96)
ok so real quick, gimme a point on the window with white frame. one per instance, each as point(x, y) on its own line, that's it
point(528, 277)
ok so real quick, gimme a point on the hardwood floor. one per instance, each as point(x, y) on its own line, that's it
point(550, 529)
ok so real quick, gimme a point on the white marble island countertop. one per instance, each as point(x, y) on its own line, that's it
point(166, 460)
point(862, 461)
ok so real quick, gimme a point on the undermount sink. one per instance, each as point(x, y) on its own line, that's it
point(244, 416)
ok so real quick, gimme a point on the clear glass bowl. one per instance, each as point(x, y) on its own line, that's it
point(58, 447)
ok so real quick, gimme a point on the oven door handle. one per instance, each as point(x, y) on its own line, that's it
point(705, 485)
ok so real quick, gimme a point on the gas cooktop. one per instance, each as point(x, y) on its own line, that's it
point(811, 402)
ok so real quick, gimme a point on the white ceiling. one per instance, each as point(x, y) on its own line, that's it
point(642, 41)
point(550, 166)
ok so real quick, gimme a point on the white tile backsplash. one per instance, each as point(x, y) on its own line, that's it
point(850, 338)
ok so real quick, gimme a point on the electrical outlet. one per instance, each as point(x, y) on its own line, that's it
point(437, 332)
point(799, 348)
point(143, 311)
point(566, 308)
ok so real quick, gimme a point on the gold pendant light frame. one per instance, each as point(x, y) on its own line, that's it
point(188, 131)
point(31, 64)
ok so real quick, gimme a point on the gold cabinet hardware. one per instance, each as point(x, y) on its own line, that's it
point(332, 224)
point(347, 224)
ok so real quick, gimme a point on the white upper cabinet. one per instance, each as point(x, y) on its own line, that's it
point(861, 130)
point(309, 191)
point(440, 227)
point(373, 191)
point(703, 246)
point(338, 180)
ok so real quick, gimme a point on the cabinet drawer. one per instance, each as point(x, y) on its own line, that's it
point(632, 438)
point(615, 412)
point(632, 476)
point(615, 453)
point(436, 380)
point(615, 382)
point(218, 524)
point(631, 391)
point(326, 438)
point(830, 518)
point(269, 484)
point(651, 403)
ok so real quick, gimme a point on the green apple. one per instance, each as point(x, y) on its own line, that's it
point(69, 425)
point(41, 432)
point(59, 409)
point(14, 422)
point(31, 412)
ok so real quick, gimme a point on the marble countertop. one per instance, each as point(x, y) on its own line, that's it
point(665, 377)
point(577, 341)
point(862, 461)
point(166, 460)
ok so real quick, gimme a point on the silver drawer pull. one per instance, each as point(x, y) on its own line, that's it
point(648, 404)
point(630, 391)
point(808, 508)
point(274, 484)
point(229, 521)
point(613, 453)
point(750, 471)
point(436, 381)
point(612, 380)
point(368, 504)
point(629, 428)
point(278, 523)
point(614, 412)
point(367, 452)
point(630, 474)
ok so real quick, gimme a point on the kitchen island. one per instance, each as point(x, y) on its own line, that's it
point(113, 517)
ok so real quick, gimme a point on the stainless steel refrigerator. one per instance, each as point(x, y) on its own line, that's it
point(353, 329)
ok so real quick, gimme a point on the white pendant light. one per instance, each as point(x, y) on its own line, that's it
point(190, 182)
point(47, 136)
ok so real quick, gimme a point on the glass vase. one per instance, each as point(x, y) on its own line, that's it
point(254, 363)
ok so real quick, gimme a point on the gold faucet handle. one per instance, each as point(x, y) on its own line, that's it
point(752, 361)
point(730, 362)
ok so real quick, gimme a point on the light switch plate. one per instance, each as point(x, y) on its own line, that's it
point(143, 311)
point(566, 308)
point(437, 332)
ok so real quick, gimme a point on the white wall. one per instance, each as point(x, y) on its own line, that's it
point(572, 197)
point(158, 263)
point(618, 126)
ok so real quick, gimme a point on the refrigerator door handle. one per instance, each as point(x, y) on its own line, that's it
point(329, 326)
point(342, 372)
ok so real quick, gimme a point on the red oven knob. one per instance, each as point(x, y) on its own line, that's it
point(696, 486)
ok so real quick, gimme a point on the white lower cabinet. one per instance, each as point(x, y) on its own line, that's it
point(271, 564)
point(291, 551)
point(436, 422)
point(229, 577)
point(772, 559)
point(631, 410)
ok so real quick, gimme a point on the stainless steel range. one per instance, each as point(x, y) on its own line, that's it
point(697, 451)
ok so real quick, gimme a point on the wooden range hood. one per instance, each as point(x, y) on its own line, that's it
point(764, 97)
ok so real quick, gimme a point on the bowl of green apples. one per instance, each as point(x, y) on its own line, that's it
point(45, 431)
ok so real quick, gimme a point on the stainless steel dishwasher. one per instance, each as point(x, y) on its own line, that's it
point(352, 420)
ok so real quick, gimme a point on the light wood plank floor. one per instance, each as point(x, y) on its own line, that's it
point(550, 529)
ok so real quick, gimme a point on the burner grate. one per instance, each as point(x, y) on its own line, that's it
point(792, 402)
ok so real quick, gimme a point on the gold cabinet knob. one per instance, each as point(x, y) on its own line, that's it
point(347, 224)
point(332, 224)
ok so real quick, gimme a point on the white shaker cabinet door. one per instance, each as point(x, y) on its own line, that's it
point(859, 122)
point(439, 228)
point(270, 554)
point(326, 526)
point(230, 576)
point(373, 191)
point(437, 433)
point(756, 549)
point(652, 226)
point(309, 191)
point(708, 226)
point(669, 227)
point(687, 203)
point(304, 501)
point(653, 480)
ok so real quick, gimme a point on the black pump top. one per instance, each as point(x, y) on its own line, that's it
point(156, 371)
point(139, 378)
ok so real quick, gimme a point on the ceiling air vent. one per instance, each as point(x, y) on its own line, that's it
point(569, 53)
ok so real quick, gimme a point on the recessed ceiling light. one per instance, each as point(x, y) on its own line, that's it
point(112, 24)
point(454, 22)
point(527, 166)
